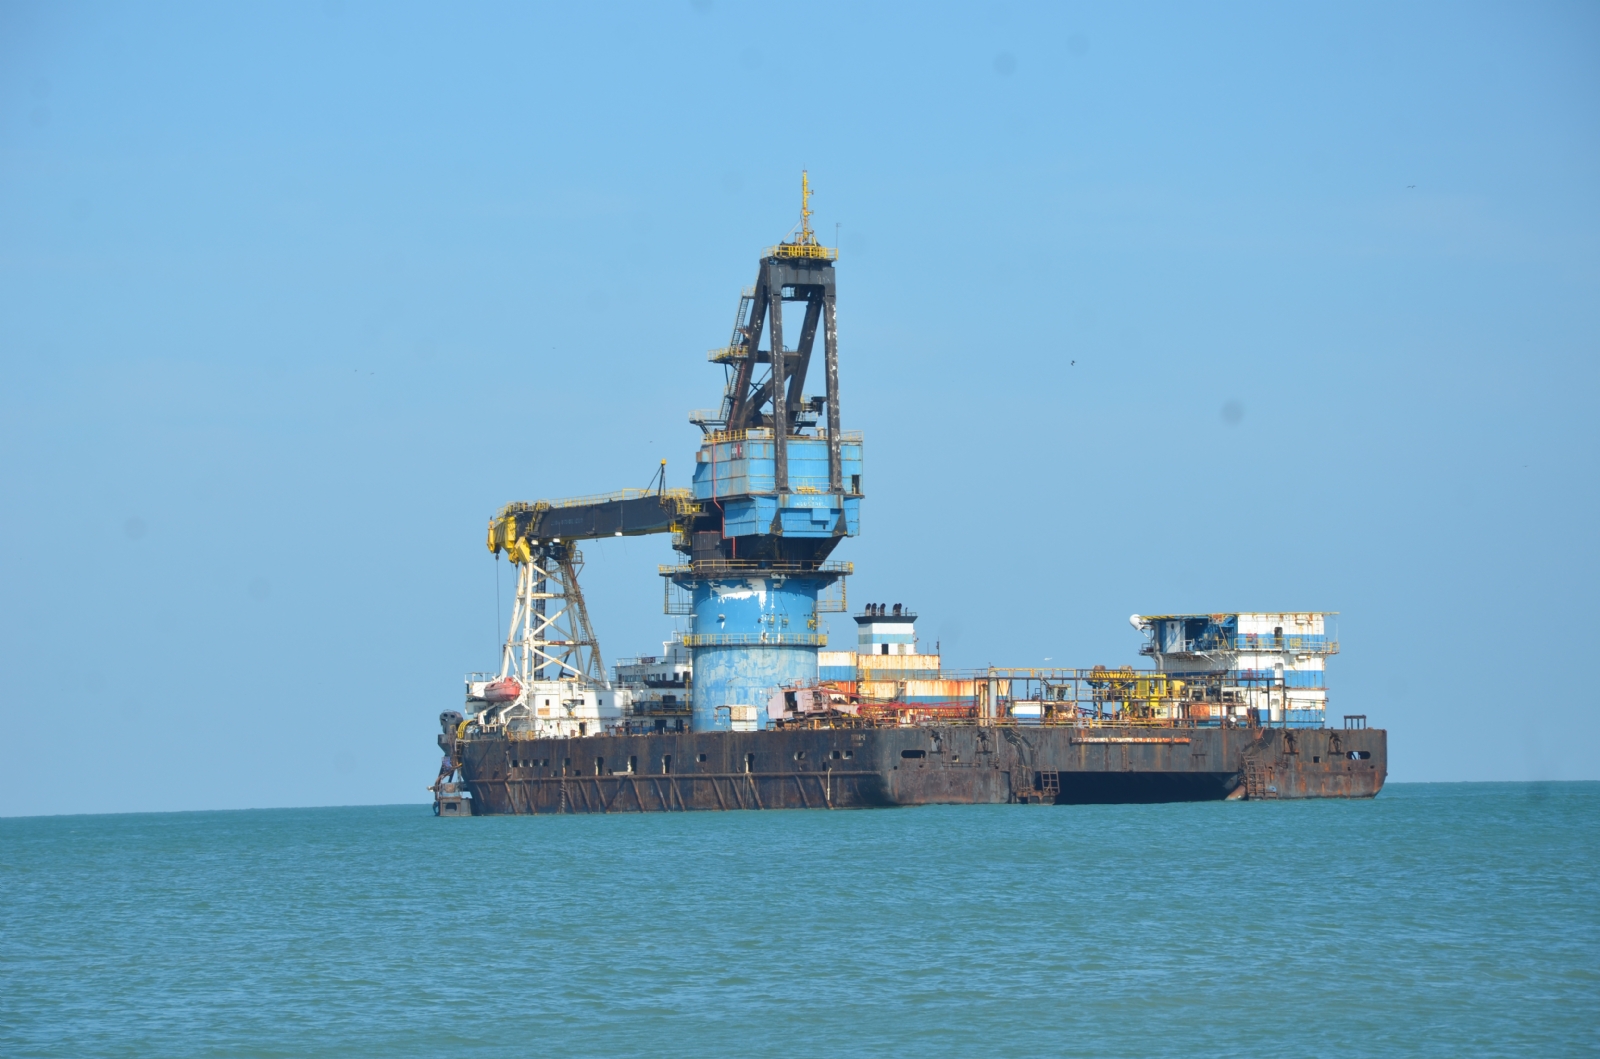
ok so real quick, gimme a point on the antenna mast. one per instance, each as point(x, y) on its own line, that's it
point(807, 236)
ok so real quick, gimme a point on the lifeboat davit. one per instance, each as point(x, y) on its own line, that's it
point(505, 689)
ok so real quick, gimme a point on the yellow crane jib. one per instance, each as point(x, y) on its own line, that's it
point(518, 528)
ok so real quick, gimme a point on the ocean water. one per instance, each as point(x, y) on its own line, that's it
point(1446, 920)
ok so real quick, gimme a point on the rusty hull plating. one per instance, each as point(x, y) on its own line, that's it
point(852, 768)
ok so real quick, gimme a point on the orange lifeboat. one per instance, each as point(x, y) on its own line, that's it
point(506, 689)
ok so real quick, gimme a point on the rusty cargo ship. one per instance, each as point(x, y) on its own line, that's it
point(746, 708)
point(843, 768)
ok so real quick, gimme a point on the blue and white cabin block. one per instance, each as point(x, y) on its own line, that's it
point(886, 663)
point(1274, 662)
point(881, 631)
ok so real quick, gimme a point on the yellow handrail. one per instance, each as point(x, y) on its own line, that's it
point(819, 253)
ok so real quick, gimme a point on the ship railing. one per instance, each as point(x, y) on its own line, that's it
point(622, 494)
point(799, 484)
point(803, 250)
point(714, 437)
point(679, 496)
point(754, 568)
point(707, 418)
point(756, 639)
point(895, 719)
point(1243, 678)
point(1264, 643)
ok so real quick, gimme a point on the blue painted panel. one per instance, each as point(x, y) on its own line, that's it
point(742, 468)
point(803, 516)
point(748, 674)
point(745, 676)
point(836, 673)
point(1292, 678)
point(805, 522)
point(741, 518)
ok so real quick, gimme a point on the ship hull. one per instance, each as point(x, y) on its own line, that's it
point(851, 768)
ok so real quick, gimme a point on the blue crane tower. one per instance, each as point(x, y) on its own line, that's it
point(777, 485)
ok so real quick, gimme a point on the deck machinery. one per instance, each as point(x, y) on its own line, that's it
point(737, 711)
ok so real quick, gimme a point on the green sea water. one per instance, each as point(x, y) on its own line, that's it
point(1446, 920)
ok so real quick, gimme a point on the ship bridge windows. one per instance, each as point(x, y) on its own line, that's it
point(908, 754)
point(1359, 755)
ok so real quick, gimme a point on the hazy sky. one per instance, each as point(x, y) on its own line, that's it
point(1142, 308)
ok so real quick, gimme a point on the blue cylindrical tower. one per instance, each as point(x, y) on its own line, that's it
point(751, 636)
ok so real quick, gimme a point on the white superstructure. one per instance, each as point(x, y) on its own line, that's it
point(880, 631)
point(557, 709)
point(1274, 662)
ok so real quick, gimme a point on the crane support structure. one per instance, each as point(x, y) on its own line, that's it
point(539, 538)
point(797, 271)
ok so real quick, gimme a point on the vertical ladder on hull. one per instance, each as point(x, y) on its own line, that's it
point(1257, 783)
point(1050, 784)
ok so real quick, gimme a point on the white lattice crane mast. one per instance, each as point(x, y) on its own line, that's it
point(550, 636)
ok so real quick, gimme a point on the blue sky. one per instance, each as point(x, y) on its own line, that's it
point(293, 297)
